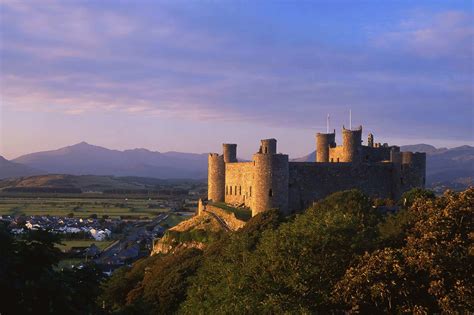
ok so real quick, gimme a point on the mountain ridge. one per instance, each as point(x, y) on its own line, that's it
point(87, 159)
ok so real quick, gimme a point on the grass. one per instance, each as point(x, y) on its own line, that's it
point(173, 220)
point(80, 207)
point(243, 214)
point(83, 243)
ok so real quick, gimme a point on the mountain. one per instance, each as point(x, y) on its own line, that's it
point(451, 168)
point(11, 169)
point(87, 159)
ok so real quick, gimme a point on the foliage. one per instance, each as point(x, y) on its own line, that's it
point(409, 197)
point(30, 283)
point(193, 235)
point(341, 255)
point(291, 268)
point(154, 285)
point(431, 273)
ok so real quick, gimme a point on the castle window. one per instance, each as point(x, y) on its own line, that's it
point(240, 190)
point(270, 193)
point(230, 191)
point(332, 160)
point(250, 191)
point(226, 190)
point(337, 160)
point(235, 190)
point(266, 150)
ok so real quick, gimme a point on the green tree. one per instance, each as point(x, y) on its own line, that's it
point(292, 268)
point(432, 273)
point(30, 283)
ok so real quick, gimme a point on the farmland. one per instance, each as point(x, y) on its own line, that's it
point(83, 206)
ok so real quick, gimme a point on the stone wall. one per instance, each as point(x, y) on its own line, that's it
point(309, 182)
point(229, 218)
point(238, 183)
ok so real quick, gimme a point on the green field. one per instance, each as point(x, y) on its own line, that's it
point(81, 207)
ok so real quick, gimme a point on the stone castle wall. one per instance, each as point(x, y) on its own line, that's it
point(309, 182)
point(238, 183)
point(271, 181)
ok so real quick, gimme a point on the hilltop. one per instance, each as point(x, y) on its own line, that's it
point(90, 182)
point(87, 159)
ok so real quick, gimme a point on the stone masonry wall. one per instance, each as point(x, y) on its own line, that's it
point(310, 182)
point(238, 183)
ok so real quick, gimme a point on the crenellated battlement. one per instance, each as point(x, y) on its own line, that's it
point(270, 180)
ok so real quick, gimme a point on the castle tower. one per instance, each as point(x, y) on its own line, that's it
point(270, 179)
point(230, 152)
point(414, 169)
point(324, 141)
point(370, 140)
point(268, 146)
point(215, 177)
point(351, 142)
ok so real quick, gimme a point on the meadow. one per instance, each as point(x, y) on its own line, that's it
point(82, 206)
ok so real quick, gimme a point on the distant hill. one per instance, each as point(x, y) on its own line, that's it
point(87, 183)
point(450, 168)
point(86, 159)
point(11, 169)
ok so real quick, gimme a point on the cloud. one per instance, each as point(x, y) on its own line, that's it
point(446, 34)
point(163, 60)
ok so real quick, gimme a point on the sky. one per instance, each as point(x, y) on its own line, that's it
point(190, 75)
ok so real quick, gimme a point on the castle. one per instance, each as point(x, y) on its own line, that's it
point(270, 180)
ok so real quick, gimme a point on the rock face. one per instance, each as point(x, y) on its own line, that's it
point(181, 235)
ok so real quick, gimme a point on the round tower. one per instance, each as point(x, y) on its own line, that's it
point(271, 175)
point(351, 143)
point(268, 146)
point(324, 141)
point(216, 177)
point(230, 152)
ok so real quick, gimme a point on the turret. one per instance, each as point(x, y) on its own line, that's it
point(324, 141)
point(268, 146)
point(216, 177)
point(230, 152)
point(370, 140)
point(270, 180)
point(351, 142)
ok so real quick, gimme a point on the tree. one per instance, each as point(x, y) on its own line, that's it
point(291, 268)
point(30, 283)
point(432, 273)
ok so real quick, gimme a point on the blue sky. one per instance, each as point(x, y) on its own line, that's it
point(190, 75)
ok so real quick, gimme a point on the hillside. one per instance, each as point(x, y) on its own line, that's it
point(87, 159)
point(450, 168)
point(11, 169)
point(192, 233)
point(89, 182)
